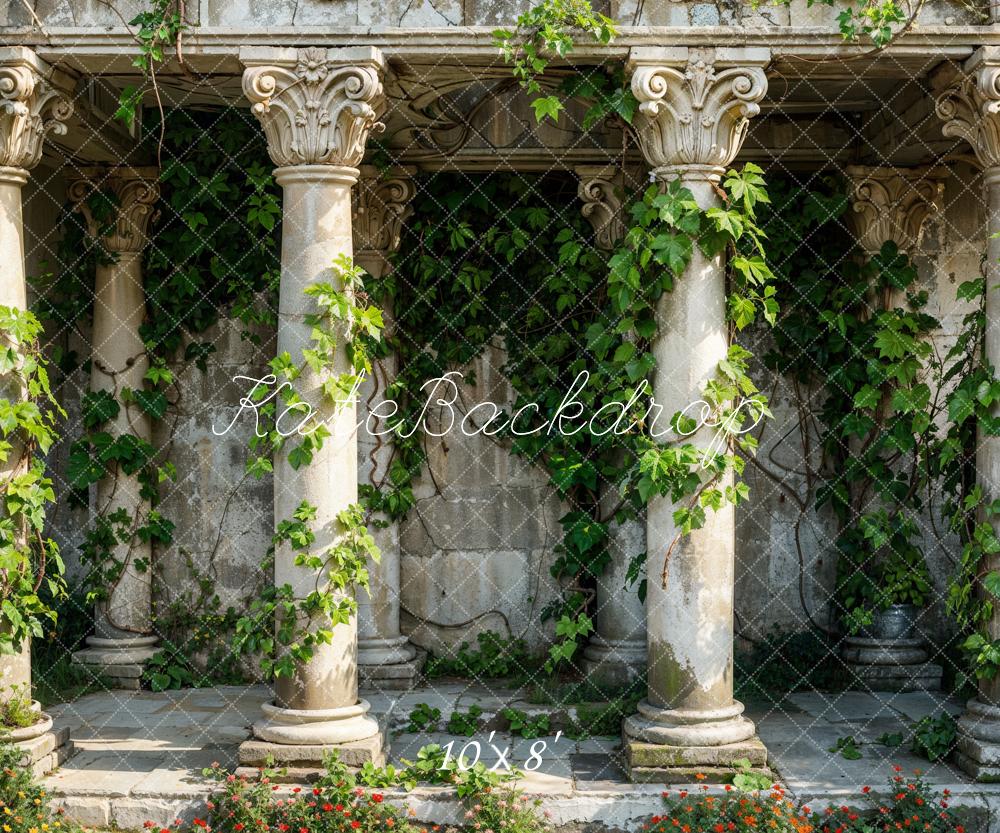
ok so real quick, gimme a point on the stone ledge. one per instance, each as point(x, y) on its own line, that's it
point(46, 752)
point(399, 676)
point(659, 762)
point(924, 676)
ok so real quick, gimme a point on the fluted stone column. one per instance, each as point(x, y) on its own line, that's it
point(694, 111)
point(317, 107)
point(970, 109)
point(616, 651)
point(386, 659)
point(123, 637)
point(891, 204)
point(33, 104)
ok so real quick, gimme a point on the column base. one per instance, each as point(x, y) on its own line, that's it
point(299, 740)
point(614, 663)
point(891, 665)
point(42, 747)
point(977, 749)
point(674, 744)
point(395, 676)
point(121, 661)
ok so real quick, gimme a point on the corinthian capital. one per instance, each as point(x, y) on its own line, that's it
point(123, 223)
point(970, 107)
point(892, 204)
point(31, 106)
point(317, 106)
point(695, 108)
point(380, 205)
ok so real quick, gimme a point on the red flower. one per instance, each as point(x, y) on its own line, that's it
point(355, 824)
point(201, 823)
point(238, 825)
point(866, 790)
point(316, 791)
point(377, 798)
point(327, 807)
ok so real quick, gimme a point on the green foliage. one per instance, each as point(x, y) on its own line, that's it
point(434, 766)
point(304, 623)
point(15, 709)
point(31, 569)
point(158, 29)
point(854, 329)
point(782, 661)
point(934, 737)
point(604, 719)
point(423, 718)
point(24, 804)
point(466, 723)
point(525, 725)
point(890, 739)
point(747, 780)
point(495, 657)
point(847, 747)
point(543, 33)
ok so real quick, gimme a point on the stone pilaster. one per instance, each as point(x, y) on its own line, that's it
point(386, 659)
point(970, 109)
point(317, 107)
point(33, 104)
point(694, 112)
point(123, 637)
point(616, 651)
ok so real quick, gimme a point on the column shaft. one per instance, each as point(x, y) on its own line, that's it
point(694, 111)
point(316, 230)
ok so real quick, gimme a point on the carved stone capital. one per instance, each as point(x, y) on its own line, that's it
point(317, 106)
point(122, 222)
point(694, 114)
point(380, 204)
point(31, 107)
point(600, 190)
point(892, 204)
point(970, 106)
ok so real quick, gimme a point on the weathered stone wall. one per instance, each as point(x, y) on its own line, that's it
point(479, 544)
point(409, 14)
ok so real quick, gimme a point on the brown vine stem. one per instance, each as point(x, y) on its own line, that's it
point(665, 574)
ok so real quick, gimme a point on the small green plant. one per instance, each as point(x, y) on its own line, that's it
point(525, 725)
point(169, 669)
point(496, 656)
point(435, 765)
point(465, 724)
point(847, 747)
point(890, 739)
point(423, 718)
point(747, 780)
point(16, 711)
point(934, 737)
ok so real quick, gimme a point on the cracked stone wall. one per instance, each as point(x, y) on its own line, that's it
point(410, 14)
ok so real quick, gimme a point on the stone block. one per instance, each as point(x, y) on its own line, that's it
point(981, 773)
point(256, 753)
point(659, 762)
point(85, 809)
point(925, 676)
point(399, 676)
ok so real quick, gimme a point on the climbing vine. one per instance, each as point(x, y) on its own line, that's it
point(31, 569)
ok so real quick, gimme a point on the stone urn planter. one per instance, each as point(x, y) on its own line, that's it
point(889, 655)
point(42, 747)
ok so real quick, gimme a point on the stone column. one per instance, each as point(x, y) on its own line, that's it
point(970, 109)
point(616, 652)
point(32, 104)
point(123, 630)
point(386, 659)
point(317, 107)
point(694, 112)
